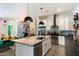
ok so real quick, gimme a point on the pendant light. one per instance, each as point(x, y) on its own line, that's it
point(41, 22)
point(28, 18)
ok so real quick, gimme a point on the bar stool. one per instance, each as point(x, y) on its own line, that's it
point(1, 42)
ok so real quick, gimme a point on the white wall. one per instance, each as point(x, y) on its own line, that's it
point(49, 22)
point(14, 11)
point(19, 10)
point(61, 40)
point(65, 21)
point(3, 28)
point(76, 8)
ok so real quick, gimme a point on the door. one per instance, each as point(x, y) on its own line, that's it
point(10, 30)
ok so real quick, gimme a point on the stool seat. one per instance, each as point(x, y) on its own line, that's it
point(1, 42)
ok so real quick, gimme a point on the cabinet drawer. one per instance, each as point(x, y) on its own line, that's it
point(49, 42)
point(46, 45)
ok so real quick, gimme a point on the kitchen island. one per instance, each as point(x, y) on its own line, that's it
point(32, 46)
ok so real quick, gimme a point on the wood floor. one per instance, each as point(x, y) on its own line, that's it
point(71, 49)
point(71, 46)
point(54, 51)
point(7, 52)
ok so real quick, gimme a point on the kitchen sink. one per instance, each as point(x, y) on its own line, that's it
point(40, 38)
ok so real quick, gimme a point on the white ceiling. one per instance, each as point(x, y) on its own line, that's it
point(34, 8)
point(21, 9)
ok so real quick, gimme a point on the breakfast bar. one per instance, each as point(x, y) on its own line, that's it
point(32, 46)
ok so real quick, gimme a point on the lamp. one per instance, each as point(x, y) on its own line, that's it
point(28, 18)
point(41, 22)
point(44, 14)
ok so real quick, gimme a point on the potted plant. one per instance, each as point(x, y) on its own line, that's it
point(2, 37)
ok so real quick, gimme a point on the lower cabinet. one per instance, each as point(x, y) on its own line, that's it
point(46, 45)
point(42, 48)
point(38, 50)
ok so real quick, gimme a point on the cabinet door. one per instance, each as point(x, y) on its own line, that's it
point(46, 45)
point(38, 50)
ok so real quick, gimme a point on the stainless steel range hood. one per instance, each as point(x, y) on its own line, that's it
point(54, 27)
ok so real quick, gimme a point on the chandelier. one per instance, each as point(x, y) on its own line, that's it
point(43, 14)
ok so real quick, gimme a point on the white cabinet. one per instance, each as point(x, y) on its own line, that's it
point(39, 49)
point(24, 50)
point(46, 45)
point(49, 43)
point(61, 40)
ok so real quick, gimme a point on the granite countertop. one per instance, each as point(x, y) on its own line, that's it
point(31, 41)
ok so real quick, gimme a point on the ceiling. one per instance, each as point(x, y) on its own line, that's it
point(34, 8)
point(21, 9)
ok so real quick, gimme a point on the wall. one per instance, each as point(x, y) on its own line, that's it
point(3, 28)
point(18, 11)
point(61, 40)
point(15, 12)
point(76, 8)
point(65, 21)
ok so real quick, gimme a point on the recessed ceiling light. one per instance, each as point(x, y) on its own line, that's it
point(11, 22)
point(67, 18)
point(6, 12)
point(58, 10)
